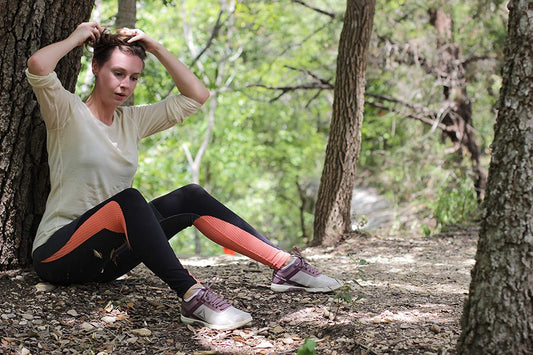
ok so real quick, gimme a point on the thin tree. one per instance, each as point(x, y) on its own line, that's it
point(332, 212)
point(221, 81)
point(498, 315)
point(25, 26)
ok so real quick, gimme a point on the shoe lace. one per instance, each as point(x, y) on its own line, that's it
point(305, 265)
point(211, 298)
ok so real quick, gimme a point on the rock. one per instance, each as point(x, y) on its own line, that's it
point(132, 340)
point(142, 332)
point(265, 344)
point(435, 329)
point(72, 312)
point(44, 286)
point(287, 341)
point(109, 320)
point(277, 329)
point(87, 326)
point(27, 316)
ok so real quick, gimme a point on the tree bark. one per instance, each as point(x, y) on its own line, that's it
point(498, 315)
point(25, 26)
point(127, 17)
point(332, 213)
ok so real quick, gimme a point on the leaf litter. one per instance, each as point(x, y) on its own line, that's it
point(404, 295)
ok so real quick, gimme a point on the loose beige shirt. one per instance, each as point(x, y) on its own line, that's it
point(90, 161)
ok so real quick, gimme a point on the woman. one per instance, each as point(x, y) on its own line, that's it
point(96, 227)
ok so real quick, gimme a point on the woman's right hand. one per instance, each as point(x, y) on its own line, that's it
point(87, 31)
point(44, 61)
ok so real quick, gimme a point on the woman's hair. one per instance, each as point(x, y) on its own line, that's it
point(103, 49)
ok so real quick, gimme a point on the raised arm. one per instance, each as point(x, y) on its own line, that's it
point(186, 82)
point(44, 61)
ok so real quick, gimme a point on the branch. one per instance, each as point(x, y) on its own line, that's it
point(474, 58)
point(317, 84)
point(416, 112)
point(312, 75)
point(405, 53)
point(416, 116)
point(286, 89)
point(214, 34)
point(320, 11)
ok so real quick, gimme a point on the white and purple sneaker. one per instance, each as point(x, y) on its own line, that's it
point(300, 276)
point(212, 311)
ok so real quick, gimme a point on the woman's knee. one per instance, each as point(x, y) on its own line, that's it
point(193, 190)
point(130, 194)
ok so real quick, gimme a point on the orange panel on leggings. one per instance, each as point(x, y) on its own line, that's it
point(234, 238)
point(109, 217)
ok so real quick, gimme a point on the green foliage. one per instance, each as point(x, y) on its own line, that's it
point(345, 293)
point(457, 202)
point(265, 157)
point(308, 347)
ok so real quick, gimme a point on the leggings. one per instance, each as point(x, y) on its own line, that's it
point(115, 236)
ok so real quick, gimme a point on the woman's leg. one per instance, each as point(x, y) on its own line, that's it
point(114, 237)
point(108, 241)
point(192, 205)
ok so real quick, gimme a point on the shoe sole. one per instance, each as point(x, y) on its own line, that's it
point(287, 288)
point(188, 320)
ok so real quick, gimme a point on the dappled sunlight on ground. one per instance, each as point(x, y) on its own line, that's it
point(406, 298)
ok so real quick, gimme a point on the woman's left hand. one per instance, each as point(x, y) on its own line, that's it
point(186, 82)
point(149, 44)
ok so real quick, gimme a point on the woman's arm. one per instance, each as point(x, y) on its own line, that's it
point(186, 82)
point(44, 61)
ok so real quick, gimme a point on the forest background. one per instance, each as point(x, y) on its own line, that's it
point(258, 145)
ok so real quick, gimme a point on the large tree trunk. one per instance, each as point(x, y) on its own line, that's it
point(332, 213)
point(498, 315)
point(127, 17)
point(25, 26)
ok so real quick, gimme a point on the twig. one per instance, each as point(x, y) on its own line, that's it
point(320, 11)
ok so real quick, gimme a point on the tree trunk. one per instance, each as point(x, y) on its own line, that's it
point(332, 213)
point(25, 26)
point(457, 105)
point(127, 17)
point(498, 315)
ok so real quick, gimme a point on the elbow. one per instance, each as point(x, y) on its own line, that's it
point(203, 96)
point(35, 66)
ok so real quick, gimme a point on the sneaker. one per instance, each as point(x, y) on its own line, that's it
point(300, 276)
point(212, 311)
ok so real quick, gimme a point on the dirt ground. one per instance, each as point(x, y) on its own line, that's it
point(411, 304)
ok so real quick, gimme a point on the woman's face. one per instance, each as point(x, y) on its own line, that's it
point(117, 78)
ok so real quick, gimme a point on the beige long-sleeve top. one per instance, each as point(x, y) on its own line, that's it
point(90, 161)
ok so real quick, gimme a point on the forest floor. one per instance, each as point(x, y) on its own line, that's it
point(412, 300)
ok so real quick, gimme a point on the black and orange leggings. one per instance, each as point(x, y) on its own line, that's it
point(112, 238)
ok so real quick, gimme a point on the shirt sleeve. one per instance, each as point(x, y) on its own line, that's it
point(163, 115)
point(53, 99)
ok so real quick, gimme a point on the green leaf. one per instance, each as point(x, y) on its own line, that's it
point(308, 348)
